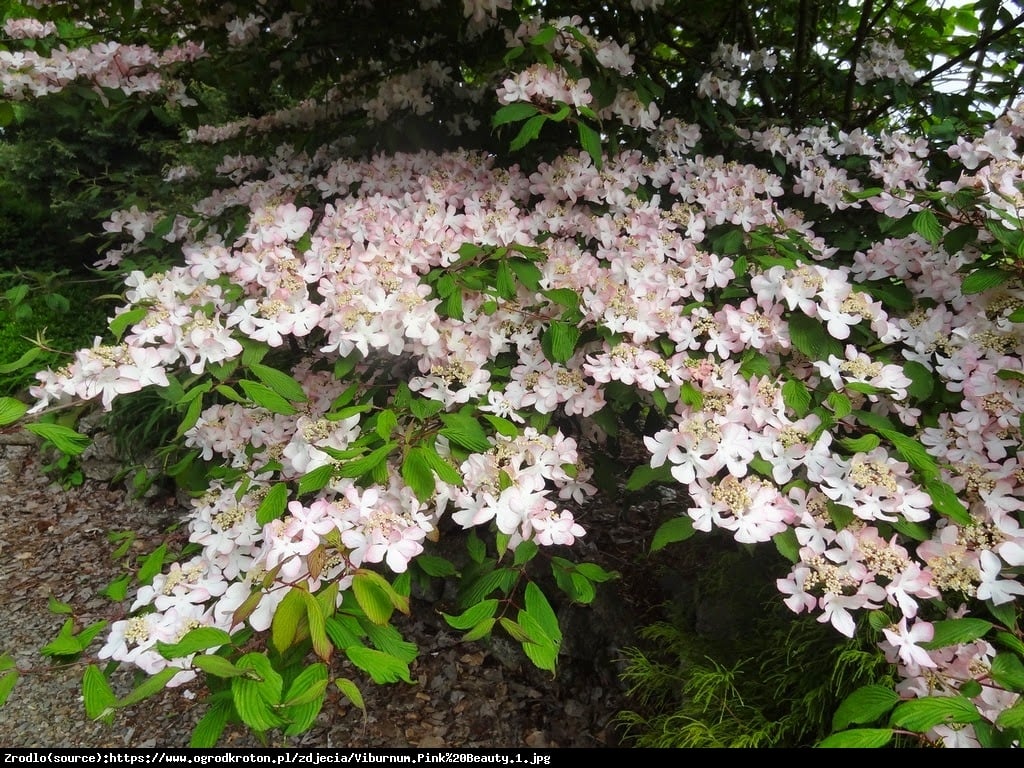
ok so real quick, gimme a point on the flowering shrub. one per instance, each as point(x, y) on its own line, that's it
point(368, 347)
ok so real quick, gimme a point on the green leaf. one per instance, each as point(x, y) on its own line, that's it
point(840, 404)
point(386, 423)
point(126, 319)
point(372, 599)
point(858, 738)
point(472, 615)
point(946, 501)
point(211, 726)
point(524, 553)
point(476, 590)
point(984, 279)
point(928, 227)
point(65, 644)
point(796, 397)
point(956, 631)
point(343, 631)
point(217, 666)
point(1008, 718)
point(432, 565)
point(475, 548)
point(273, 504)
point(811, 339)
point(527, 272)
point(483, 629)
point(559, 341)
point(645, 474)
point(863, 444)
point(530, 131)
point(308, 686)
point(513, 113)
point(921, 715)
point(546, 34)
point(444, 470)
point(787, 544)
point(97, 695)
point(311, 482)
point(22, 361)
point(1012, 642)
point(363, 465)
point(279, 382)
point(381, 667)
point(53, 605)
point(672, 531)
point(417, 474)
point(351, 690)
point(590, 142)
point(595, 572)
point(389, 640)
point(149, 687)
point(285, 624)
point(267, 398)
point(152, 565)
point(255, 697)
point(199, 639)
point(539, 608)
point(465, 431)
point(65, 439)
point(117, 590)
point(540, 649)
point(7, 683)
point(195, 408)
point(922, 380)
point(1008, 671)
point(865, 705)
point(316, 622)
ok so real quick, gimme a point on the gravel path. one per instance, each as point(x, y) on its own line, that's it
point(55, 543)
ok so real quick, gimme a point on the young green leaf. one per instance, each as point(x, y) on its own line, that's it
point(97, 695)
point(672, 531)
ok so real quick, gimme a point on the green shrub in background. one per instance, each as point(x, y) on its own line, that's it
point(44, 317)
point(731, 667)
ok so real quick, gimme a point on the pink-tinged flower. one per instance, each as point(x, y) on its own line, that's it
point(906, 644)
point(992, 587)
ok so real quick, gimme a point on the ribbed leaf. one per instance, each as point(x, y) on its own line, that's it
point(956, 631)
point(472, 615)
point(148, 687)
point(11, 410)
point(513, 113)
point(672, 531)
point(97, 695)
point(381, 667)
point(211, 726)
point(924, 714)
point(285, 624)
point(372, 599)
point(65, 439)
point(351, 690)
point(865, 705)
point(1008, 671)
point(280, 382)
point(217, 666)
point(417, 474)
point(317, 626)
point(859, 738)
point(199, 639)
point(7, 683)
point(254, 698)
point(273, 504)
point(267, 398)
point(466, 431)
